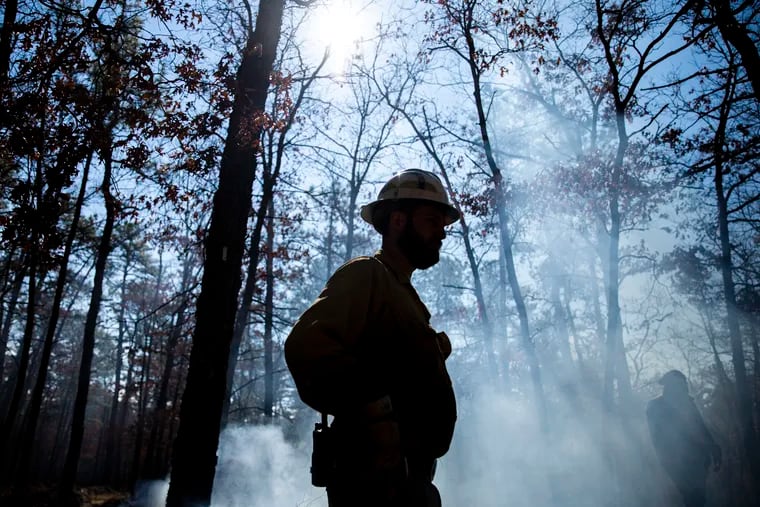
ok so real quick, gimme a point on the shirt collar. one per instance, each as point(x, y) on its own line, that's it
point(385, 259)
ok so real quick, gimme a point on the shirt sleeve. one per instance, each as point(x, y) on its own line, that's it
point(321, 350)
point(707, 439)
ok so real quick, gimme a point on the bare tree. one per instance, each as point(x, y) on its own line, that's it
point(469, 31)
point(194, 458)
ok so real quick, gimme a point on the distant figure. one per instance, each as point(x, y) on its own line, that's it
point(683, 443)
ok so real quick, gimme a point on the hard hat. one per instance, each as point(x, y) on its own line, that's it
point(672, 377)
point(412, 184)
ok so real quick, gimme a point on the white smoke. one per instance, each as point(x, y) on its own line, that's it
point(257, 467)
point(499, 457)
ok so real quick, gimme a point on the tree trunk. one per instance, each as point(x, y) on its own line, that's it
point(5, 332)
point(62, 429)
point(350, 223)
point(143, 417)
point(142, 407)
point(485, 321)
point(595, 305)
point(241, 317)
point(561, 321)
point(615, 369)
point(486, 325)
point(114, 431)
point(35, 405)
point(743, 384)
point(194, 458)
point(502, 318)
point(738, 36)
point(719, 368)
point(500, 203)
point(330, 232)
point(616, 365)
point(121, 422)
point(268, 320)
point(6, 36)
point(88, 340)
point(271, 172)
point(7, 450)
point(156, 468)
point(755, 327)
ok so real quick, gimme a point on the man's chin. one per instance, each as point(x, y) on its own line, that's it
point(427, 262)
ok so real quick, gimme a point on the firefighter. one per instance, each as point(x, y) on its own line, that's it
point(365, 353)
point(684, 445)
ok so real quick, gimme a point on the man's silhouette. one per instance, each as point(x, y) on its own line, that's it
point(683, 443)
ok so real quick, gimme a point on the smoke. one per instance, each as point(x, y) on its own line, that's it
point(493, 461)
point(500, 456)
point(149, 494)
point(257, 467)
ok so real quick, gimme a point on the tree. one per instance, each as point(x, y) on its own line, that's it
point(471, 32)
point(734, 26)
point(721, 151)
point(35, 403)
point(194, 458)
point(426, 136)
point(276, 142)
point(105, 151)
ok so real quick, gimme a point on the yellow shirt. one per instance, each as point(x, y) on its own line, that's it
point(366, 336)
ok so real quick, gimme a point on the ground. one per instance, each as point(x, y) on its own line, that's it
point(46, 496)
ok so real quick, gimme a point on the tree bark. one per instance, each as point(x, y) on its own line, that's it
point(35, 404)
point(14, 409)
point(156, 468)
point(113, 437)
point(195, 448)
point(742, 383)
point(500, 203)
point(243, 311)
point(738, 36)
point(9, 22)
point(272, 167)
point(88, 340)
point(268, 319)
point(10, 312)
point(616, 366)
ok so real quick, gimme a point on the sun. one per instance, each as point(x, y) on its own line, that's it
point(338, 26)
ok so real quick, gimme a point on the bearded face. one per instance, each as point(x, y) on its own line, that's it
point(422, 249)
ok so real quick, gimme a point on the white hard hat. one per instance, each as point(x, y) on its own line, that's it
point(412, 184)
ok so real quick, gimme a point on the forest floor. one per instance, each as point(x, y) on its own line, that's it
point(41, 496)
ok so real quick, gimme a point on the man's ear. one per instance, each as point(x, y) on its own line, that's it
point(397, 221)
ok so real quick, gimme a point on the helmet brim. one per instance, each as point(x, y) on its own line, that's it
point(368, 210)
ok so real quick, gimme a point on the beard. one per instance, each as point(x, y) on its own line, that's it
point(420, 253)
